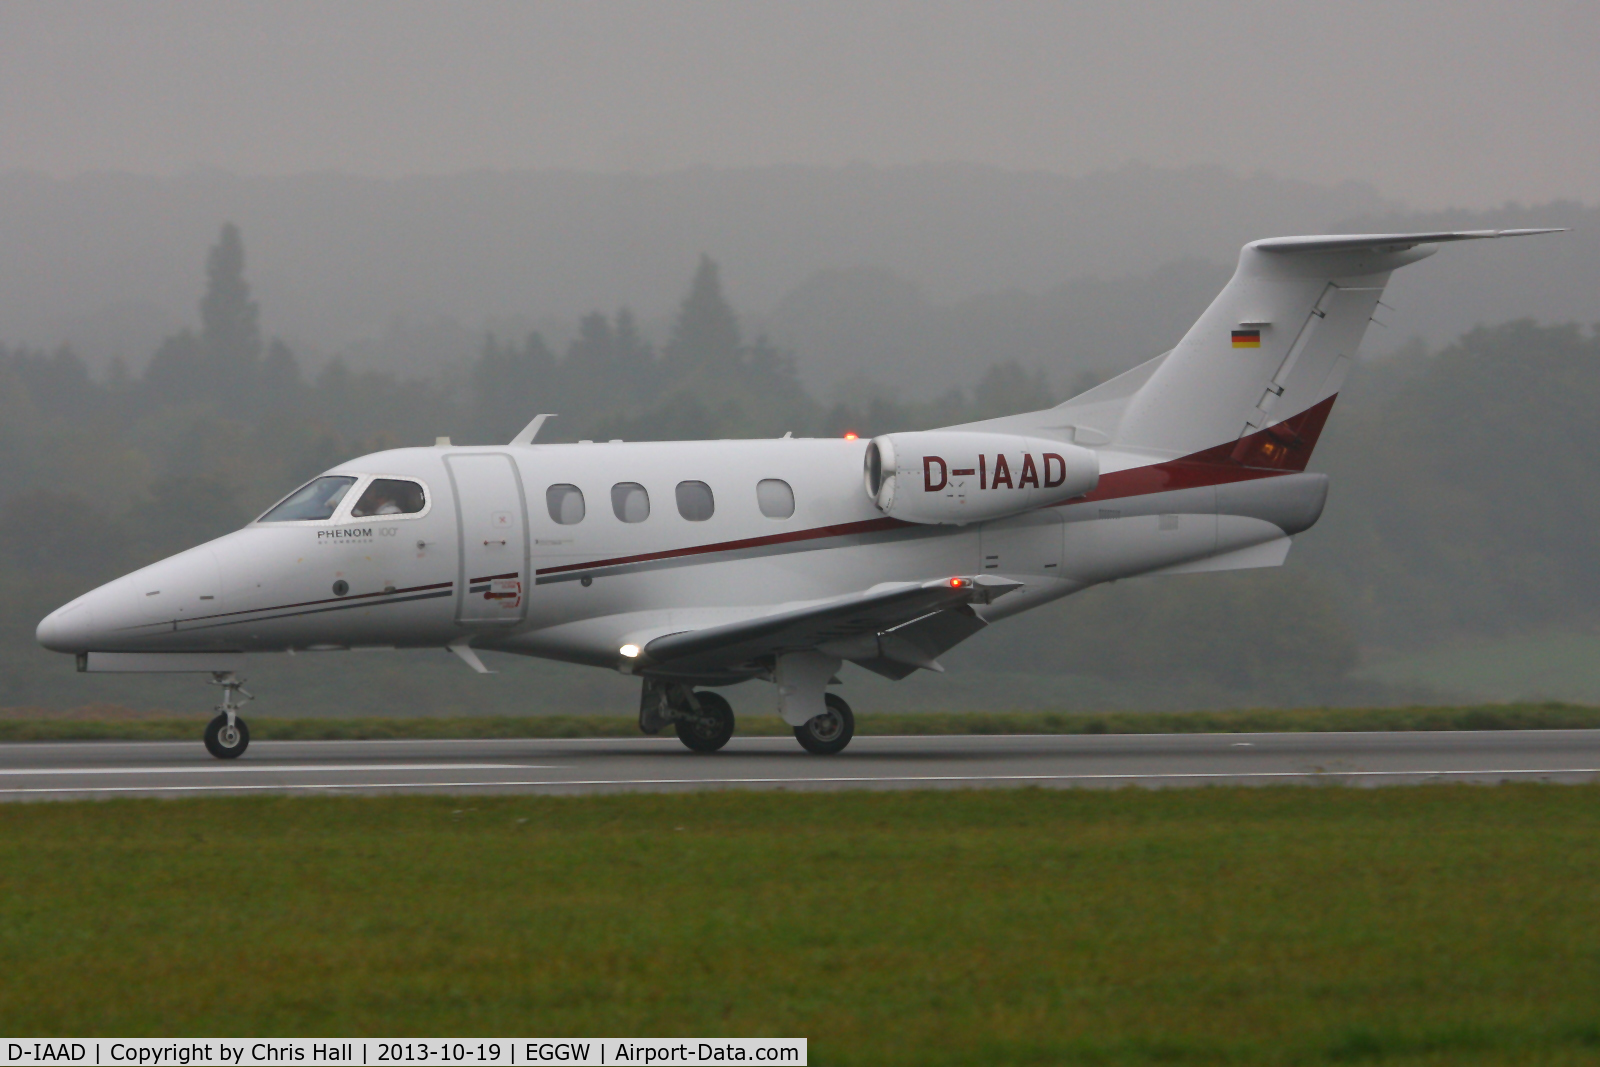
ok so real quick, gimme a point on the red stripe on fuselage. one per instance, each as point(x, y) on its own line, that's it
point(1284, 448)
point(841, 530)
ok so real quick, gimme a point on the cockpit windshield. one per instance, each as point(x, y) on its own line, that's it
point(389, 496)
point(318, 499)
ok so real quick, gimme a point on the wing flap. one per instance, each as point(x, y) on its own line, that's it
point(915, 645)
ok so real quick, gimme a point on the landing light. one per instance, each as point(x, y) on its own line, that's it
point(631, 651)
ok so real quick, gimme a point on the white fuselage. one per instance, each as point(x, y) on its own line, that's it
point(486, 561)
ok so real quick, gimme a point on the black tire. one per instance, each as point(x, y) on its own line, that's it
point(223, 743)
point(828, 734)
point(709, 730)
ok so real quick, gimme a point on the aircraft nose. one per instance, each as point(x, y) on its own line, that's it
point(68, 628)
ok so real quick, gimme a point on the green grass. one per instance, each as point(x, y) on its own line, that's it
point(116, 724)
point(1426, 925)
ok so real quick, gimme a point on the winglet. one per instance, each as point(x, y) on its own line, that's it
point(530, 431)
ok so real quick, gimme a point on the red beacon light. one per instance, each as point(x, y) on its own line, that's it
point(960, 583)
point(850, 435)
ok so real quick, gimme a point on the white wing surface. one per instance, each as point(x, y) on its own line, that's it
point(841, 622)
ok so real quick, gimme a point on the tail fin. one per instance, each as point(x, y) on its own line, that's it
point(1274, 345)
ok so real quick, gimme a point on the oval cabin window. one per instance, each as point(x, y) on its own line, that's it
point(775, 497)
point(630, 501)
point(695, 501)
point(565, 503)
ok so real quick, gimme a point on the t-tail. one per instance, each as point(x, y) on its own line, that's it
point(1254, 379)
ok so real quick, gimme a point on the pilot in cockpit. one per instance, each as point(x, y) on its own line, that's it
point(389, 496)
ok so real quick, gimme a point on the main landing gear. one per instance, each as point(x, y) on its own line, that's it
point(704, 720)
point(227, 736)
point(830, 732)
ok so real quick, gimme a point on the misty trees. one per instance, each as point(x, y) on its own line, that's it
point(713, 378)
point(705, 336)
point(230, 331)
point(509, 382)
point(610, 382)
point(223, 362)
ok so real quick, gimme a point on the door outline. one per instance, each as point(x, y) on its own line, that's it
point(520, 520)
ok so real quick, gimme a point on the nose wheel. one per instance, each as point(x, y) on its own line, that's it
point(227, 736)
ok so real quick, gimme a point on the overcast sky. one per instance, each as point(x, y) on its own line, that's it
point(1462, 102)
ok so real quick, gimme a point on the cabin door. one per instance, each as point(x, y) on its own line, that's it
point(491, 522)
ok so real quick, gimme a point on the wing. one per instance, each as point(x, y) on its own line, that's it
point(842, 623)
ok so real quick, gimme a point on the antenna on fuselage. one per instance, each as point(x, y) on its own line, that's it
point(530, 431)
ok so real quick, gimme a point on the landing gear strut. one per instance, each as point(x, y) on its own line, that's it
point(702, 719)
point(227, 736)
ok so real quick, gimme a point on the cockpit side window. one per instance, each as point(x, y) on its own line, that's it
point(390, 496)
point(317, 499)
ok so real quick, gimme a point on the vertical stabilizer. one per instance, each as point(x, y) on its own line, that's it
point(1275, 342)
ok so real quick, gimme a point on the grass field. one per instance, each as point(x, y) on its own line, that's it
point(113, 723)
point(1428, 925)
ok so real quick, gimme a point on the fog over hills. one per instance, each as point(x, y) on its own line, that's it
point(918, 275)
point(107, 261)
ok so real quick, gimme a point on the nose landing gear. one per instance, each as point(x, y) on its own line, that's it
point(227, 736)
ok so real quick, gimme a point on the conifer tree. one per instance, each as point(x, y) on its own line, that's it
point(705, 336)
point(230, 333)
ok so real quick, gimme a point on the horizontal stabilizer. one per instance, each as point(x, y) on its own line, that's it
point(1384, 242)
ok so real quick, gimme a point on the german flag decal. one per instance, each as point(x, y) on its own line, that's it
point(1246, 338)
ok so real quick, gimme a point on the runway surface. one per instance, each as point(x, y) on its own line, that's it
point(63, 770)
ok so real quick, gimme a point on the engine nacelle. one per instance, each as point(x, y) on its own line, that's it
point(953, 476)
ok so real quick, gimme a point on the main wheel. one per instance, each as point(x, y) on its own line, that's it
point(829, 732)
point(227, 742)
point(711, 728)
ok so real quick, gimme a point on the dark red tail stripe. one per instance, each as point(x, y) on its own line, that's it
point(1281, 449)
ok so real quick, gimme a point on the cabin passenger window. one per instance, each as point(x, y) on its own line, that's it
point(389, 496)
point(630, 501)
point(317, 499)
point(565, 503)
point(695, 501)
point(775, 497)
